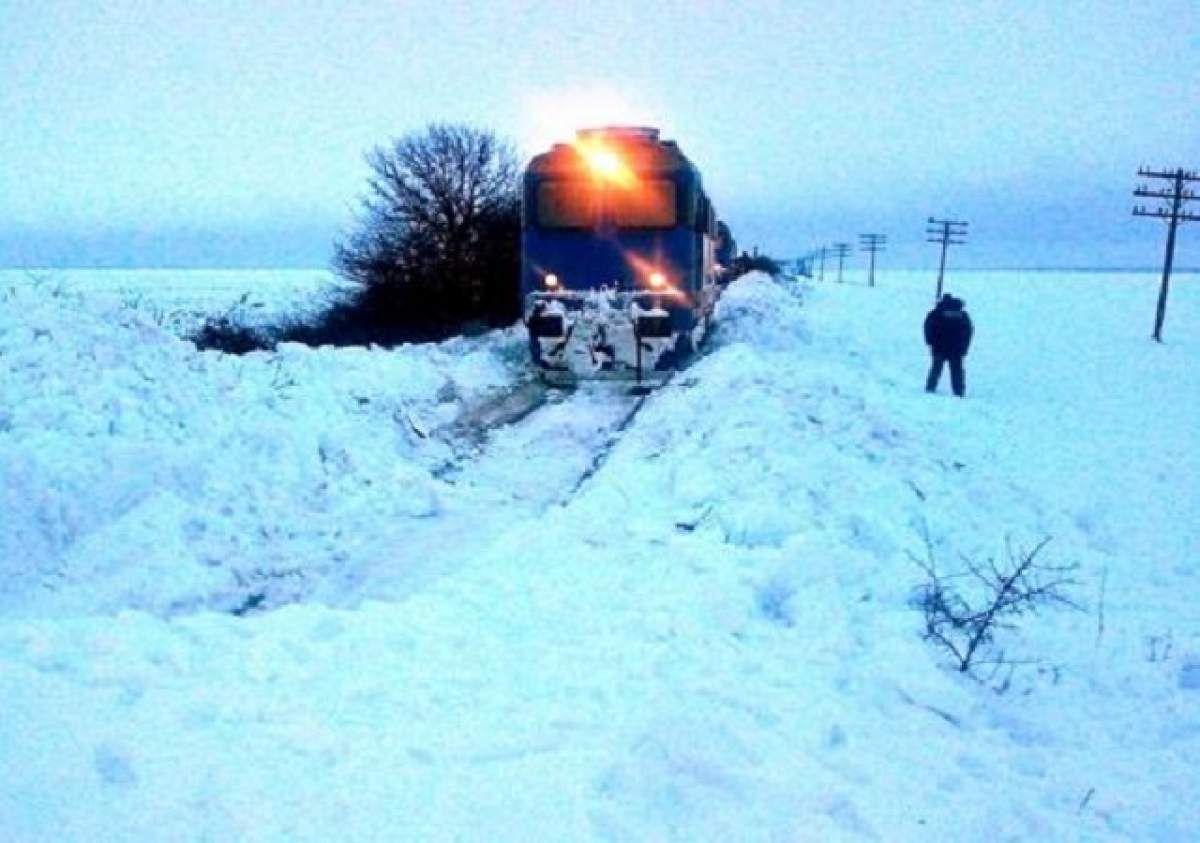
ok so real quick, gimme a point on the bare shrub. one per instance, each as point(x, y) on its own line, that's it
point(230, 332)
point(966, 610)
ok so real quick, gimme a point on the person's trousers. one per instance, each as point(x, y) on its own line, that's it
point(957, 380)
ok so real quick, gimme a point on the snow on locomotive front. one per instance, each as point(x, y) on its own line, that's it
point(618, 274)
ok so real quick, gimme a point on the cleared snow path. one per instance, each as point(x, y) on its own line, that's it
point(520, 470)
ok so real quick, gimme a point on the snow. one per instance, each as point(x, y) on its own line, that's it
point(181, 299)
point(283, 597)
point(142, 474)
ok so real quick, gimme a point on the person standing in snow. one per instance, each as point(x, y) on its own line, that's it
point(948, 333)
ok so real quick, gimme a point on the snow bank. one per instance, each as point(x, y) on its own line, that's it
point(761, 313)
point(770, 509)
point(710, 640)
point(139, 473)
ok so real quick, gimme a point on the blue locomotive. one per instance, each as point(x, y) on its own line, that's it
point(619, 255)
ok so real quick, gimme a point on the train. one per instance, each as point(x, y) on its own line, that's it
point(622, 256)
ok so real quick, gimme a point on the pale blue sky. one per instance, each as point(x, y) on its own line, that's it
point(233, 132)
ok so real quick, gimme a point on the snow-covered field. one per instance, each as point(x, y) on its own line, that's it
point(281, 598)
point(180, 298)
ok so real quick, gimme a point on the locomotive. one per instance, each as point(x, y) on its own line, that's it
point(622, 256)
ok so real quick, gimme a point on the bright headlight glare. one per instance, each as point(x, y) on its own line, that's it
point(551, 280)
point(657, 279)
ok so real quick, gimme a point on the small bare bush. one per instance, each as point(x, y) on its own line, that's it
point(231, 332)
point(966, 610)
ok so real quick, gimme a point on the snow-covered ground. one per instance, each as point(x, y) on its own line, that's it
point(279, 598)
point(181, 298)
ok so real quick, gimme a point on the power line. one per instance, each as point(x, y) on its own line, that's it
point(948, 233)
point(1172, 211)
point(872, 243)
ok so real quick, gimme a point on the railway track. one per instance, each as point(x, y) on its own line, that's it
point(536, 417)
point(496, 411)
point(518, 454)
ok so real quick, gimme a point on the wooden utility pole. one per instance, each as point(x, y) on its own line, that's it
point(1172, 211)
point(872, 243)
point(841, 250)
point(948, 233)
point(821, 255)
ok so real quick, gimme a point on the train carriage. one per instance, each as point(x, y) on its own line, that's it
point(619, 273)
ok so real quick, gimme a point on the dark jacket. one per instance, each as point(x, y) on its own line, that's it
point(948, 328)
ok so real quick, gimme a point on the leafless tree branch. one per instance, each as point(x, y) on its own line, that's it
point(966, 625)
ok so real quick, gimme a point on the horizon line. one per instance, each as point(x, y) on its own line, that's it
point(327, 268)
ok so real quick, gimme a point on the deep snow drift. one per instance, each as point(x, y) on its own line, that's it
point(710, 638)
point(141, 474)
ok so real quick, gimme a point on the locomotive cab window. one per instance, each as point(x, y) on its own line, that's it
point(565, 204)
point(650, 204)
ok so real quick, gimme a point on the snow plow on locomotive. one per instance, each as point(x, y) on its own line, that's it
point(619, 256)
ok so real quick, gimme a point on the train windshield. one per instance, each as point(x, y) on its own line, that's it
point(651, 204)
point(566, 204)
point(576, 204)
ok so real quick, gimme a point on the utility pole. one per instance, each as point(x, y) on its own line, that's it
point(841, 250)
point(1172, 211)
point(948, 233)
point(872, 243)
point(821, 255)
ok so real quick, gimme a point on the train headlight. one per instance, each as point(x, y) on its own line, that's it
point(551, 281)
point(605, 162)
point(658, 280)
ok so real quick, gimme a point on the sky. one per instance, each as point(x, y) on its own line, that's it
point(143, 133)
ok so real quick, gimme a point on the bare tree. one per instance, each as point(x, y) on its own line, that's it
point(438, 237)
point(965, 611)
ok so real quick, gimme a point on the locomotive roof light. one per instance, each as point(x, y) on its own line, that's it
point(605, 163)
point(551, 280)
point(658, 280)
